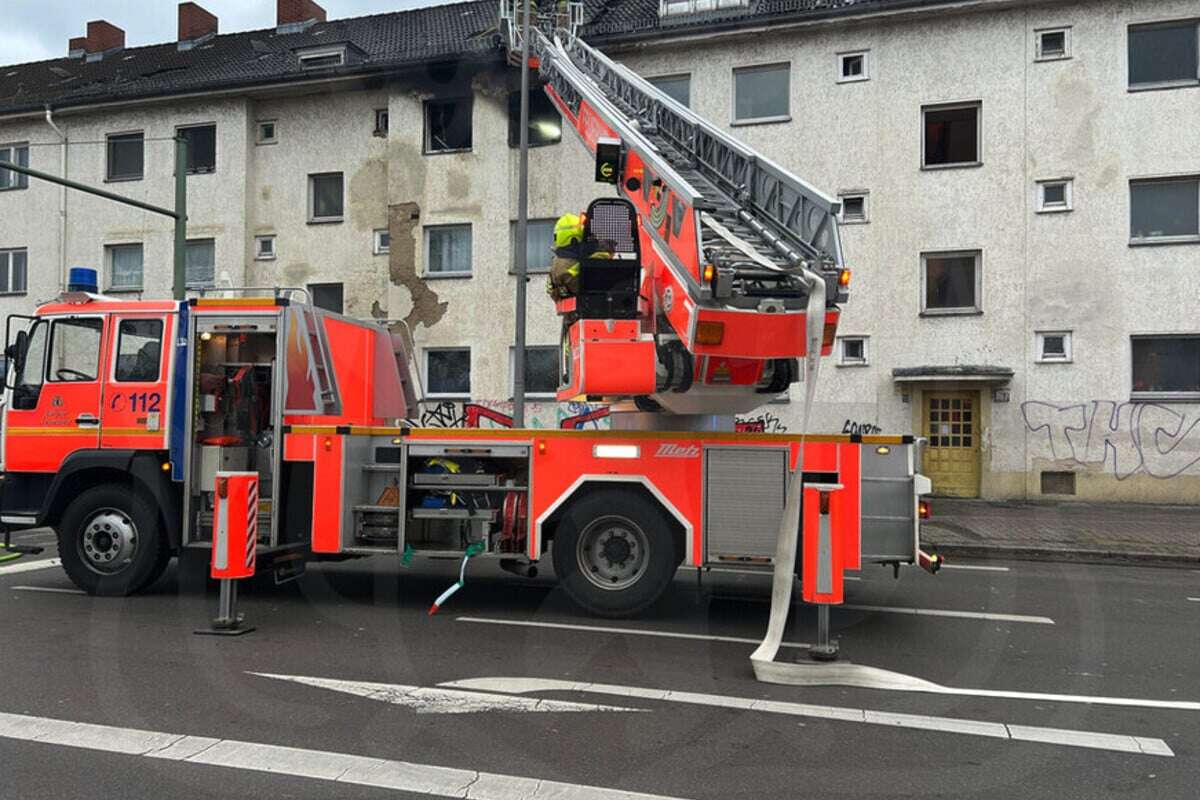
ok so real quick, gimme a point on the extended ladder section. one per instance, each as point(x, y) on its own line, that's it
point(710, 200)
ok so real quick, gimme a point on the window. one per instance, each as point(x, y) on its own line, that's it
point(328, 296)
point(448, 372)
point(950, 135)
point(267, 132)
point(677, 87)
point(760, 94)
point(201, 148)
point(1166, 367)
point(125, 156)
point(852, 351)
point(139, 350)
point(14, 271)
point(325, 197)
point(201, 262)
point(1053, 346)
point(1163, 55)
point(854, 208)
point(448, 250)
point(124, 266)
point(14, 154)
point(1164, 210)
point(318, 59)
point(448, 125)
point(545, 123)
point(75, 349)
point(383, 242)
point(33, 371)
point(1054, 195)
point(539, 245)
point(951, 282)
point(1053, 44)
point(541, 370)
point(852, 67)
point(673, 7)
point(381, 122)
point(264, 248)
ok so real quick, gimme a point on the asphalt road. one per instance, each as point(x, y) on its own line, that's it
point(1122, 642)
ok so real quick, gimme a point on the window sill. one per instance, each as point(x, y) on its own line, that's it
point(1151, 241)
point(124, 180)
point(1054, 210)
point(446, 152)
point(124, 290)
point(951, 312)
point(1043, 59)
point(740, 123)
point(853, 364)
point(1164, 86)
point(517, 145)
point(448, 398)
point(1054, 361)
point(855, 79)
point(267, 142)
point(956, 165)
point(326, 220)
point(264, 258)
point(529, 272)
point(853, 221)
point(381, 252)
point(14, 294)
point(193, 172)
point(1164, 397)
point(13, 188)
point(439, 276)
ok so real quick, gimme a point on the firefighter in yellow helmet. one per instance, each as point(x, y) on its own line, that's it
point(568, 250)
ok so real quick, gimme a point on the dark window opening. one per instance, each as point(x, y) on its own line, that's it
point(1166, 364)
point(677, 87)
point(381, 122)
point(1164, 208)
point(951, 136)
point(545, 123)
point(325, 197)
point(201, 148)
point(448, 372)
point(139, 350)
point(1058, 483)
point(1163, 54)
point(447, 125)
point(541, 370)
point(328, 296)
point(950, 282)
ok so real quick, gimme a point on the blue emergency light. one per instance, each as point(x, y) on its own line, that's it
point(83, 279)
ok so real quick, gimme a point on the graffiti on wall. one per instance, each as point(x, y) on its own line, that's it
point(766, 422)
point(499, 414)
point(860, 428)
point(1125, 438)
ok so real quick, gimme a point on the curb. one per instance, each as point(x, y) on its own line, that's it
point(1017, 553)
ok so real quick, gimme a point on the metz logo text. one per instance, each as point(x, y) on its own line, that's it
point(667, 450)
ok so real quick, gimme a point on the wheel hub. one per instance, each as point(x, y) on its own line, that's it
point(612, 552)
point(109, 541)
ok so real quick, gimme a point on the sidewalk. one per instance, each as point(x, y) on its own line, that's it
point(1146, 534)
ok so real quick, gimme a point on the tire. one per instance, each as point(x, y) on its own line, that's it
point(110, 541)
point(614, 552)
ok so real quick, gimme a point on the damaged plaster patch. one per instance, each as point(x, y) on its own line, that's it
point(404, 228)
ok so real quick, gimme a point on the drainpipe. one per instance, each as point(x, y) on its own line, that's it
point(62, 201)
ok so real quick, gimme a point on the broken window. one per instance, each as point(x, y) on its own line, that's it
point(201, 148)
point(545, 123)
point(951, 135)
point(448, 125)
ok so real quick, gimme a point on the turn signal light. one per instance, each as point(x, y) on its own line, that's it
point(710, 332)
point(924, 511)
point(844, 278)
point(709, 273)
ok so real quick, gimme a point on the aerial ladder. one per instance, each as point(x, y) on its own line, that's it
point(738, 257)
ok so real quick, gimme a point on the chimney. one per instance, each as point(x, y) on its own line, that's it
point(103, 36)
point(195, 22)
point(76, 47)
point(297, 13)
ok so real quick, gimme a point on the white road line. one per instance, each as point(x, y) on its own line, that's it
point(343, 768)
point(945, 612)
point(1096, 741)
point(29, 566)
point(630, 631)
point(428, 700)
point(48, 589)
point(979, 567)
point(860, 676)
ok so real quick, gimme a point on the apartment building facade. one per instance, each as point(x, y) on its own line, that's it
point(1019, 184)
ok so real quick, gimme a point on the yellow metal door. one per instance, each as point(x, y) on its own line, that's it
point(952, 454)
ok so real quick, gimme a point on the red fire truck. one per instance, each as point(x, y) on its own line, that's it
point(713, 283)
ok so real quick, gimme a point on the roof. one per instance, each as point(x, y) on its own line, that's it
point(260, 57)
point(379, 43)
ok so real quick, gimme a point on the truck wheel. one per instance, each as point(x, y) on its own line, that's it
point(614, 553)
point(109, 541)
